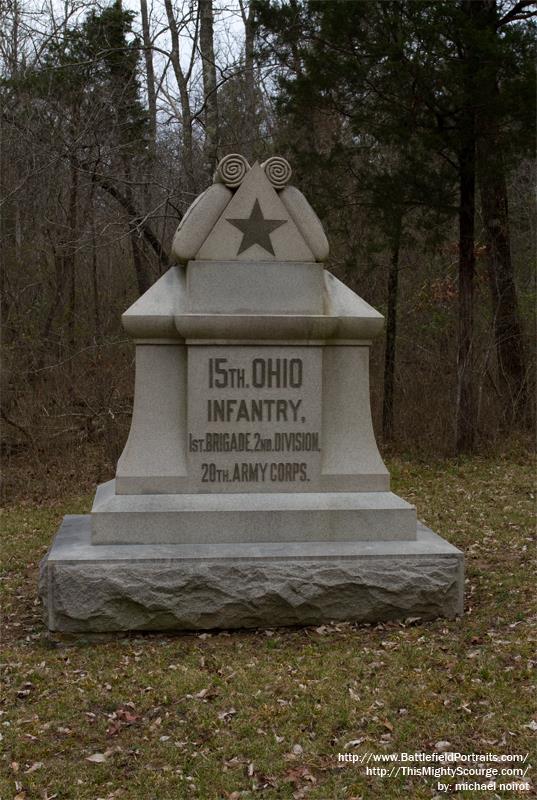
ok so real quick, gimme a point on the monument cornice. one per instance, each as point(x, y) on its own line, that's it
point(163, 313)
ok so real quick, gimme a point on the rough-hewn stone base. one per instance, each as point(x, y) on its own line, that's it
point(87, 587)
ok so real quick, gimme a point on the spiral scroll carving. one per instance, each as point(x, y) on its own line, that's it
point(232, 170)
point(277, 170)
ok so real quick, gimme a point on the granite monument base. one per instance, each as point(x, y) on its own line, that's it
point(248, 517)
point(98, 588)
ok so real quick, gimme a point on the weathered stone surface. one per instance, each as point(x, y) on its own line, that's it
point(86, 587)
point(156, 448)
point(255, 287)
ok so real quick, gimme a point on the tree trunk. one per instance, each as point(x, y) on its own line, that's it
point(466, 405)
point(391, 334)
point(70, 255)
point(150, 76)
point(209, 84)
point(126, 201)
point(149, 159)
point(250, 127)
point(186, 113)
point(507, 329)
point(143, 279)
point(466, 411)
point(94, 277)
point(508, 334)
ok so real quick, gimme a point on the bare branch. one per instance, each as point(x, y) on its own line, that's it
point(518, 13)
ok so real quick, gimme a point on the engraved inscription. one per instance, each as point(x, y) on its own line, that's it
point(254, 418)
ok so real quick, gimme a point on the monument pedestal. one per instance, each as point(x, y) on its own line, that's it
point(251, 491)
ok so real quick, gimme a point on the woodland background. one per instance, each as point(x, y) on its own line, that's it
point(410, 127)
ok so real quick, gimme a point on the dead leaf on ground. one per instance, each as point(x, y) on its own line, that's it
point(126, 716)
point(96, 758)
point(299, 774)
point(442, 746)
point(114, 728)
point(225, 716)
point(100, 758)
point(265, 781)
point(233, 763)
point(353, 743)
point(119, 718)
point(34, 767)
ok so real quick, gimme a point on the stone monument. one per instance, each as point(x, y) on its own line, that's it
point(251, 491)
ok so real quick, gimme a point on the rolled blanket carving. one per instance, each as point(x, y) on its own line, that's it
point(307, 221)
point(277, 170)
point(198, 221)
point(231, 170)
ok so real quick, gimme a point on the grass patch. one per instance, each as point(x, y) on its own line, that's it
point(264, 714)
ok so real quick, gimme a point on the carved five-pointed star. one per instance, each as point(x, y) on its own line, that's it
point(256, 229)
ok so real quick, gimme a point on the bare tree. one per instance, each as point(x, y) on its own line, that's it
point(182, 79)
point(248, 18)
point(150, 75)
point(508, 334)
point(209, 83)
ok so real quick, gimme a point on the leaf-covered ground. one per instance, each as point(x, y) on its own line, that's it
point(264, 714)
